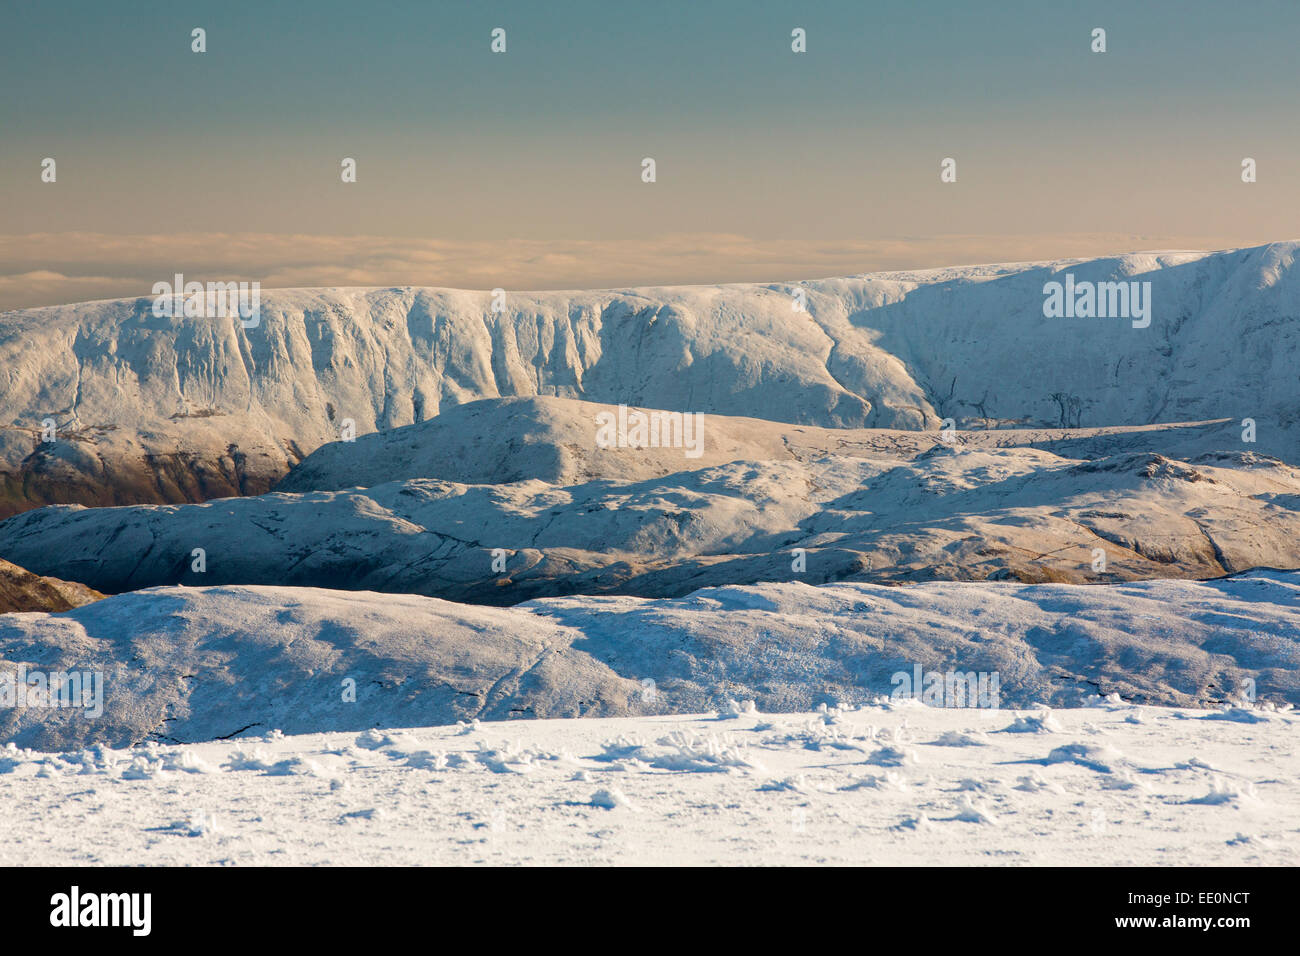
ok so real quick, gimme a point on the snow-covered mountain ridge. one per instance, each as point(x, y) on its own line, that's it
point(161, 410)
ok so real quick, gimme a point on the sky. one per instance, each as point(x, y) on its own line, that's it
point(523, 169)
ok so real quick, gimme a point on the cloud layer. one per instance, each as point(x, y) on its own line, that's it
point(54, 268)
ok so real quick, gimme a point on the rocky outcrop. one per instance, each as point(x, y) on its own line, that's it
point(20, 590)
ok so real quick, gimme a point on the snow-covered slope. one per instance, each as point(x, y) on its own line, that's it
point(503, 440)
point(192, 664)
point(1106, 785)
point(498, 441)
point(158, 409)
point(881, 509)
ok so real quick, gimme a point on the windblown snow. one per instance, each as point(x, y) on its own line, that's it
point(1104, 785)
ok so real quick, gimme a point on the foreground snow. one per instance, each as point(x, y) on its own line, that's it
point(895, 783)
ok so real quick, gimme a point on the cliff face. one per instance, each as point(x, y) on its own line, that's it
point(158, 410)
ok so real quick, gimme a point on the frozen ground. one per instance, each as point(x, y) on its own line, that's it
point(896, 783)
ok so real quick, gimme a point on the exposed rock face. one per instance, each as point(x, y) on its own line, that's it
point(188, 664)
point(165, 410)
point(100, 467)
point(21, 590)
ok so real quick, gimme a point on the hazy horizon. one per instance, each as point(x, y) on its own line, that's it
point(522, 266)
point(522, 169)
